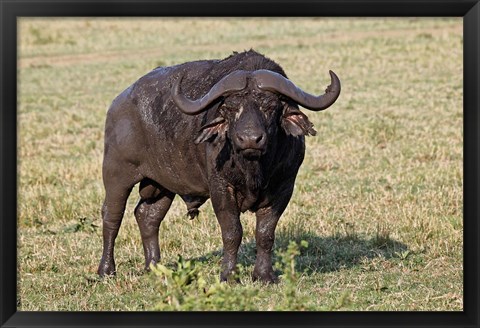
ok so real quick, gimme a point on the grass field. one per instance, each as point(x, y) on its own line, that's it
point(378, 198)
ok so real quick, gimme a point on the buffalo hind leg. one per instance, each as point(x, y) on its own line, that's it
point(150, 211)
point(112, 213)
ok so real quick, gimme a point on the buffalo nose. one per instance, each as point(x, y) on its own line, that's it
point(251, 140)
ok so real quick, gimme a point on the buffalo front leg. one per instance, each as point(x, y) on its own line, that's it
point(267, 219)
point(149, 213)
point(228, 216)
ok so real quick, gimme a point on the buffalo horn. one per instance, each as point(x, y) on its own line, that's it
point(234, 81)
point(271, 81)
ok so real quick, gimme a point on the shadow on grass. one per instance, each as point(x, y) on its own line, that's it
point(323, 254)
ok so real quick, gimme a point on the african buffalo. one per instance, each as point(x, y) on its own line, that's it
point(229, 130)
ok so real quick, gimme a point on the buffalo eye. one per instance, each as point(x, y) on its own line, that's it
point(268, 105)
point(229, 107)
point(227, 111)
point(223, 110)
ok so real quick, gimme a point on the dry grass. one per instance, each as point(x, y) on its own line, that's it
point(378, 198)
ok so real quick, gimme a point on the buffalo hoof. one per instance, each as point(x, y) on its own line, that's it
point(149, 263)
point(106, 269)
point(230, 277)
point(268, 277)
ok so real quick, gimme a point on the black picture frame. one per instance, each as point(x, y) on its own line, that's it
point(11, 10)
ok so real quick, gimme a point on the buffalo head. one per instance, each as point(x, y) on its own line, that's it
point(253, 105)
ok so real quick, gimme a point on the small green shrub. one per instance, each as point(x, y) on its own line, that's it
point(185, 288)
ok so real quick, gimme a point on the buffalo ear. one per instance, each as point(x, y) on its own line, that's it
point(211, 129)
point(295, 123)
